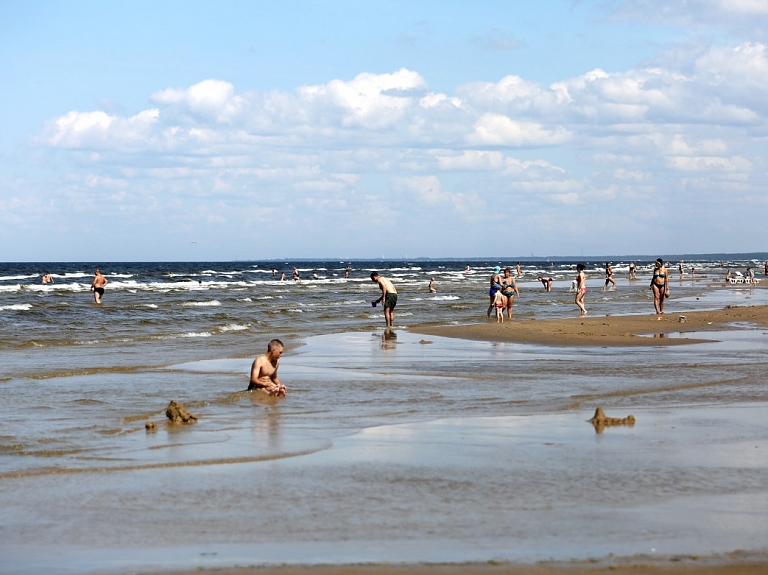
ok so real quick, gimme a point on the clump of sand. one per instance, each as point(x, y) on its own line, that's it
point(178, 414)
point(600, 421)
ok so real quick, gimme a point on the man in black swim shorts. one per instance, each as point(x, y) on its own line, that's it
point(97, 286)
point(388, 296)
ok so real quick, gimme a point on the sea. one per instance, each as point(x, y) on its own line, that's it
point(390, 446)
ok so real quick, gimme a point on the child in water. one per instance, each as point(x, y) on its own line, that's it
point(498, 302)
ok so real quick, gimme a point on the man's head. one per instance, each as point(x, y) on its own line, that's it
point(374, 276)
point(275, 348)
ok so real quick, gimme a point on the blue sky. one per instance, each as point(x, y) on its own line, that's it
point(250, 130)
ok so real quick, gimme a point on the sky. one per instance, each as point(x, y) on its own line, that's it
point(233, 130)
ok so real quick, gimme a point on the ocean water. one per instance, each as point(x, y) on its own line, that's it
point(390, 446)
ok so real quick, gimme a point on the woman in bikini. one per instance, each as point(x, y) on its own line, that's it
point(581, 288)
point(508, 290)
point(659, 285)
point(609, 276)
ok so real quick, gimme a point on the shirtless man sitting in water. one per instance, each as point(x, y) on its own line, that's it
point(264, 371)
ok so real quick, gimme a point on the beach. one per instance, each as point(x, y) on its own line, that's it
point(449, 445)
point(630, 330)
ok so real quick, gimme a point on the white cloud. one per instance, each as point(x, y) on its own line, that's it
point(376, 143)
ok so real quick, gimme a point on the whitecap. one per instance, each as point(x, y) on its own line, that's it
point(445, 297)
point(233, 327)
point(17, 307)
point(245, 299)
point(196, 334)
point(212, 303)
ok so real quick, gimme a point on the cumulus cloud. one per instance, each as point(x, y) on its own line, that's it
point(376, 142)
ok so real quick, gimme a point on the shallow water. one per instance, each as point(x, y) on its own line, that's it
point(404, 448)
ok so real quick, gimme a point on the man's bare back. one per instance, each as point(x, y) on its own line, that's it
point(264, 371)
point(97, 286)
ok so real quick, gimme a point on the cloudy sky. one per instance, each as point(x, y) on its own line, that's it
point(197, 130)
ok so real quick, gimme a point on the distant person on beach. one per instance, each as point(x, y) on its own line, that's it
point(508, 290)
point(680, 268)
point(346, 272)
point(750, 275)
point(468, 269)
point(494, 287)
point(546, 282)
point(693, 271)
point(728, 276)
point(432, 288)
point(264, 371)
point(519, 270)
point(632, 268)
point(499, 302)
point(765, 269)
point(609, 276)
point(660, 286)
point(296, 276)
point(581, 288)
point(47, 278)
point(97, 286)
point(282, 276)
point(388, 296)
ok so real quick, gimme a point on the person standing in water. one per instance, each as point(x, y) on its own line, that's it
point(632, 268)
point(660, 286)
point(581, 288)
point(97, 286)
point(509, 290)
point(609, 276)
point(388, 296)
point(264, 371)
point(432, 288)
point(494, 287)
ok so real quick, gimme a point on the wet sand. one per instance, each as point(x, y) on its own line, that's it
point(728, 565)
point(630, 330)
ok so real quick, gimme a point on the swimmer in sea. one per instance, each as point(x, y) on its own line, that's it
point(581, 288)
point(388, 296)
point(432, 288)
point(519, 270)
point(660, 286)
point(97, 286)
point(264, 371)
point(47, 278)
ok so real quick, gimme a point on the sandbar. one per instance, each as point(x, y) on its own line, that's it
point(627, 330)
point(733, 564)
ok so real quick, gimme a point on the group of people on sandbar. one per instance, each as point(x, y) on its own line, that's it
point(503, 290)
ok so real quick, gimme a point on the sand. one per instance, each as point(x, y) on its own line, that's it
point(634, 330)
point(734, 564)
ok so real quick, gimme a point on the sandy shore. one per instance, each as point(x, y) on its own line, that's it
point(635, 330)
point(734, 564)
